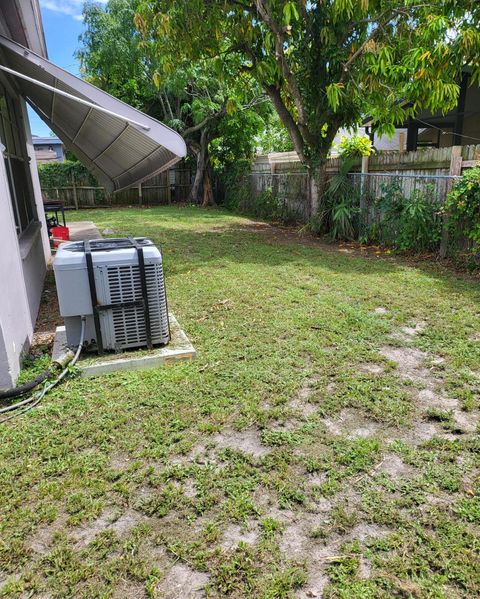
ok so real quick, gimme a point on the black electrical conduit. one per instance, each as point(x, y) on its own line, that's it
point(35, 399)
point(26, 387)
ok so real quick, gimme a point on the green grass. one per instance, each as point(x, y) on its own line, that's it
point(268, 317)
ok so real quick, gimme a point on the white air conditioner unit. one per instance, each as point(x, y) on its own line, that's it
point(118, 285)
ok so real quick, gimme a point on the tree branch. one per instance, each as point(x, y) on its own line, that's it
point(287, 73)
point(208, 119)
point(391, 12)
point(287, 119)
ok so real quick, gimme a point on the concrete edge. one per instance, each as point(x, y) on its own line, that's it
point(179, 349)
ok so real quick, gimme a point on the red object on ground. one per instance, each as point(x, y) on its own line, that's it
point(59, 234)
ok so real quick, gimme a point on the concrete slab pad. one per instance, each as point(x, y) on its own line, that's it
point(83, 229)
point(179, 348)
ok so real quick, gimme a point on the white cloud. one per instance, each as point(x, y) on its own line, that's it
point(72, 8)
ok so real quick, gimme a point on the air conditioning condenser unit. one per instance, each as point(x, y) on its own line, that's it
point(118, 284)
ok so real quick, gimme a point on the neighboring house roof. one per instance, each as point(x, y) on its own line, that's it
point(46, 141)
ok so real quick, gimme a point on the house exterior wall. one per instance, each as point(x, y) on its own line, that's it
point(23, 263)
point(43, 145)
point(16, 327)
point(23, 259)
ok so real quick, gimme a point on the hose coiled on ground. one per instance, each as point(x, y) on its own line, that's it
point(36, 398)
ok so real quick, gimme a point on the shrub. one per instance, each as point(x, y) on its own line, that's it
point(354, 146)
point(59, 174)
point(241, 196)
point(341, 207)
point(463, 208)
point(408, 224)
point(234, 181)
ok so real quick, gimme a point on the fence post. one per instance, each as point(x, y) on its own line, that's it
point(169, 189)
point(74, 189)
point(140, 194)
point(363, 199)
point(455, 169)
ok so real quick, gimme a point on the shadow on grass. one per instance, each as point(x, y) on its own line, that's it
point(192, 237)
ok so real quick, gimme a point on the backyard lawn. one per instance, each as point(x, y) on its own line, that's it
point(323, 444)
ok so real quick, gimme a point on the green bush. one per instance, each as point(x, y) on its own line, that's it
point(354, 146)
point(408, 224)
point(239, 196)
point(269, 206)
point(339, 217)
point(463, 208)
point(59, 174)
point(234, 181)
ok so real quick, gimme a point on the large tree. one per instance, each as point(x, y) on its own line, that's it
point(216, 115)
point(326, 63)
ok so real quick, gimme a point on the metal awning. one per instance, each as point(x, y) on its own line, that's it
point(119, 144)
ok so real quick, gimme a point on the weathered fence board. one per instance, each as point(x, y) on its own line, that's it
point(426, 169)
point(165, 188)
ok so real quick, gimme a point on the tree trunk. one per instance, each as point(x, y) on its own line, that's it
point(208, 199)
point(317, 185)
point(201, 151)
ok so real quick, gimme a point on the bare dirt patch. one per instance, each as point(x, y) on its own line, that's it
point(297, 543)
point(182, 582)
point(109, 520)
point(352, 424)
point(199, 454)
point(380, 310)
point(48, 316)
point(247, 441)
point(42, 538)
point(300, 402)
point(285, 426)
point(394, 466)
point(428, 398)
point(120, 461)
point(411, 366)
point(418, 434)
point(415, 329)
point(303, 407)
point(189, 488)
point(130, 589)
point(314, 587)
point(409, 361)
point(371, 368)
point(235, 534)
point(466, 421)
point(364, 569)
point(408, 333)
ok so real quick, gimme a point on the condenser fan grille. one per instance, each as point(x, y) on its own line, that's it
point(124, 285)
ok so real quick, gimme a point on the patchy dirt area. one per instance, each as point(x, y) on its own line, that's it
point(119, 522)
point(183, 581)
point(48, 317)
point(325, 444)
point(351, 424)
point(247, 441)
point(235, 534)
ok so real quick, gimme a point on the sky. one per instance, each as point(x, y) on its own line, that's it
point(62, 23)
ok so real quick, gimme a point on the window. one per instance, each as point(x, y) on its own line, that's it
point(16, 161)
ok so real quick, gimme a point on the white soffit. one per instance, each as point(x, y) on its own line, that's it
point(119, 144)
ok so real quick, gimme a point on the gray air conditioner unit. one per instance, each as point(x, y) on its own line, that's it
point(118, 285)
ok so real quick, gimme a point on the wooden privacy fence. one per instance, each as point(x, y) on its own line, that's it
point(169, 187)
point(433, 170)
